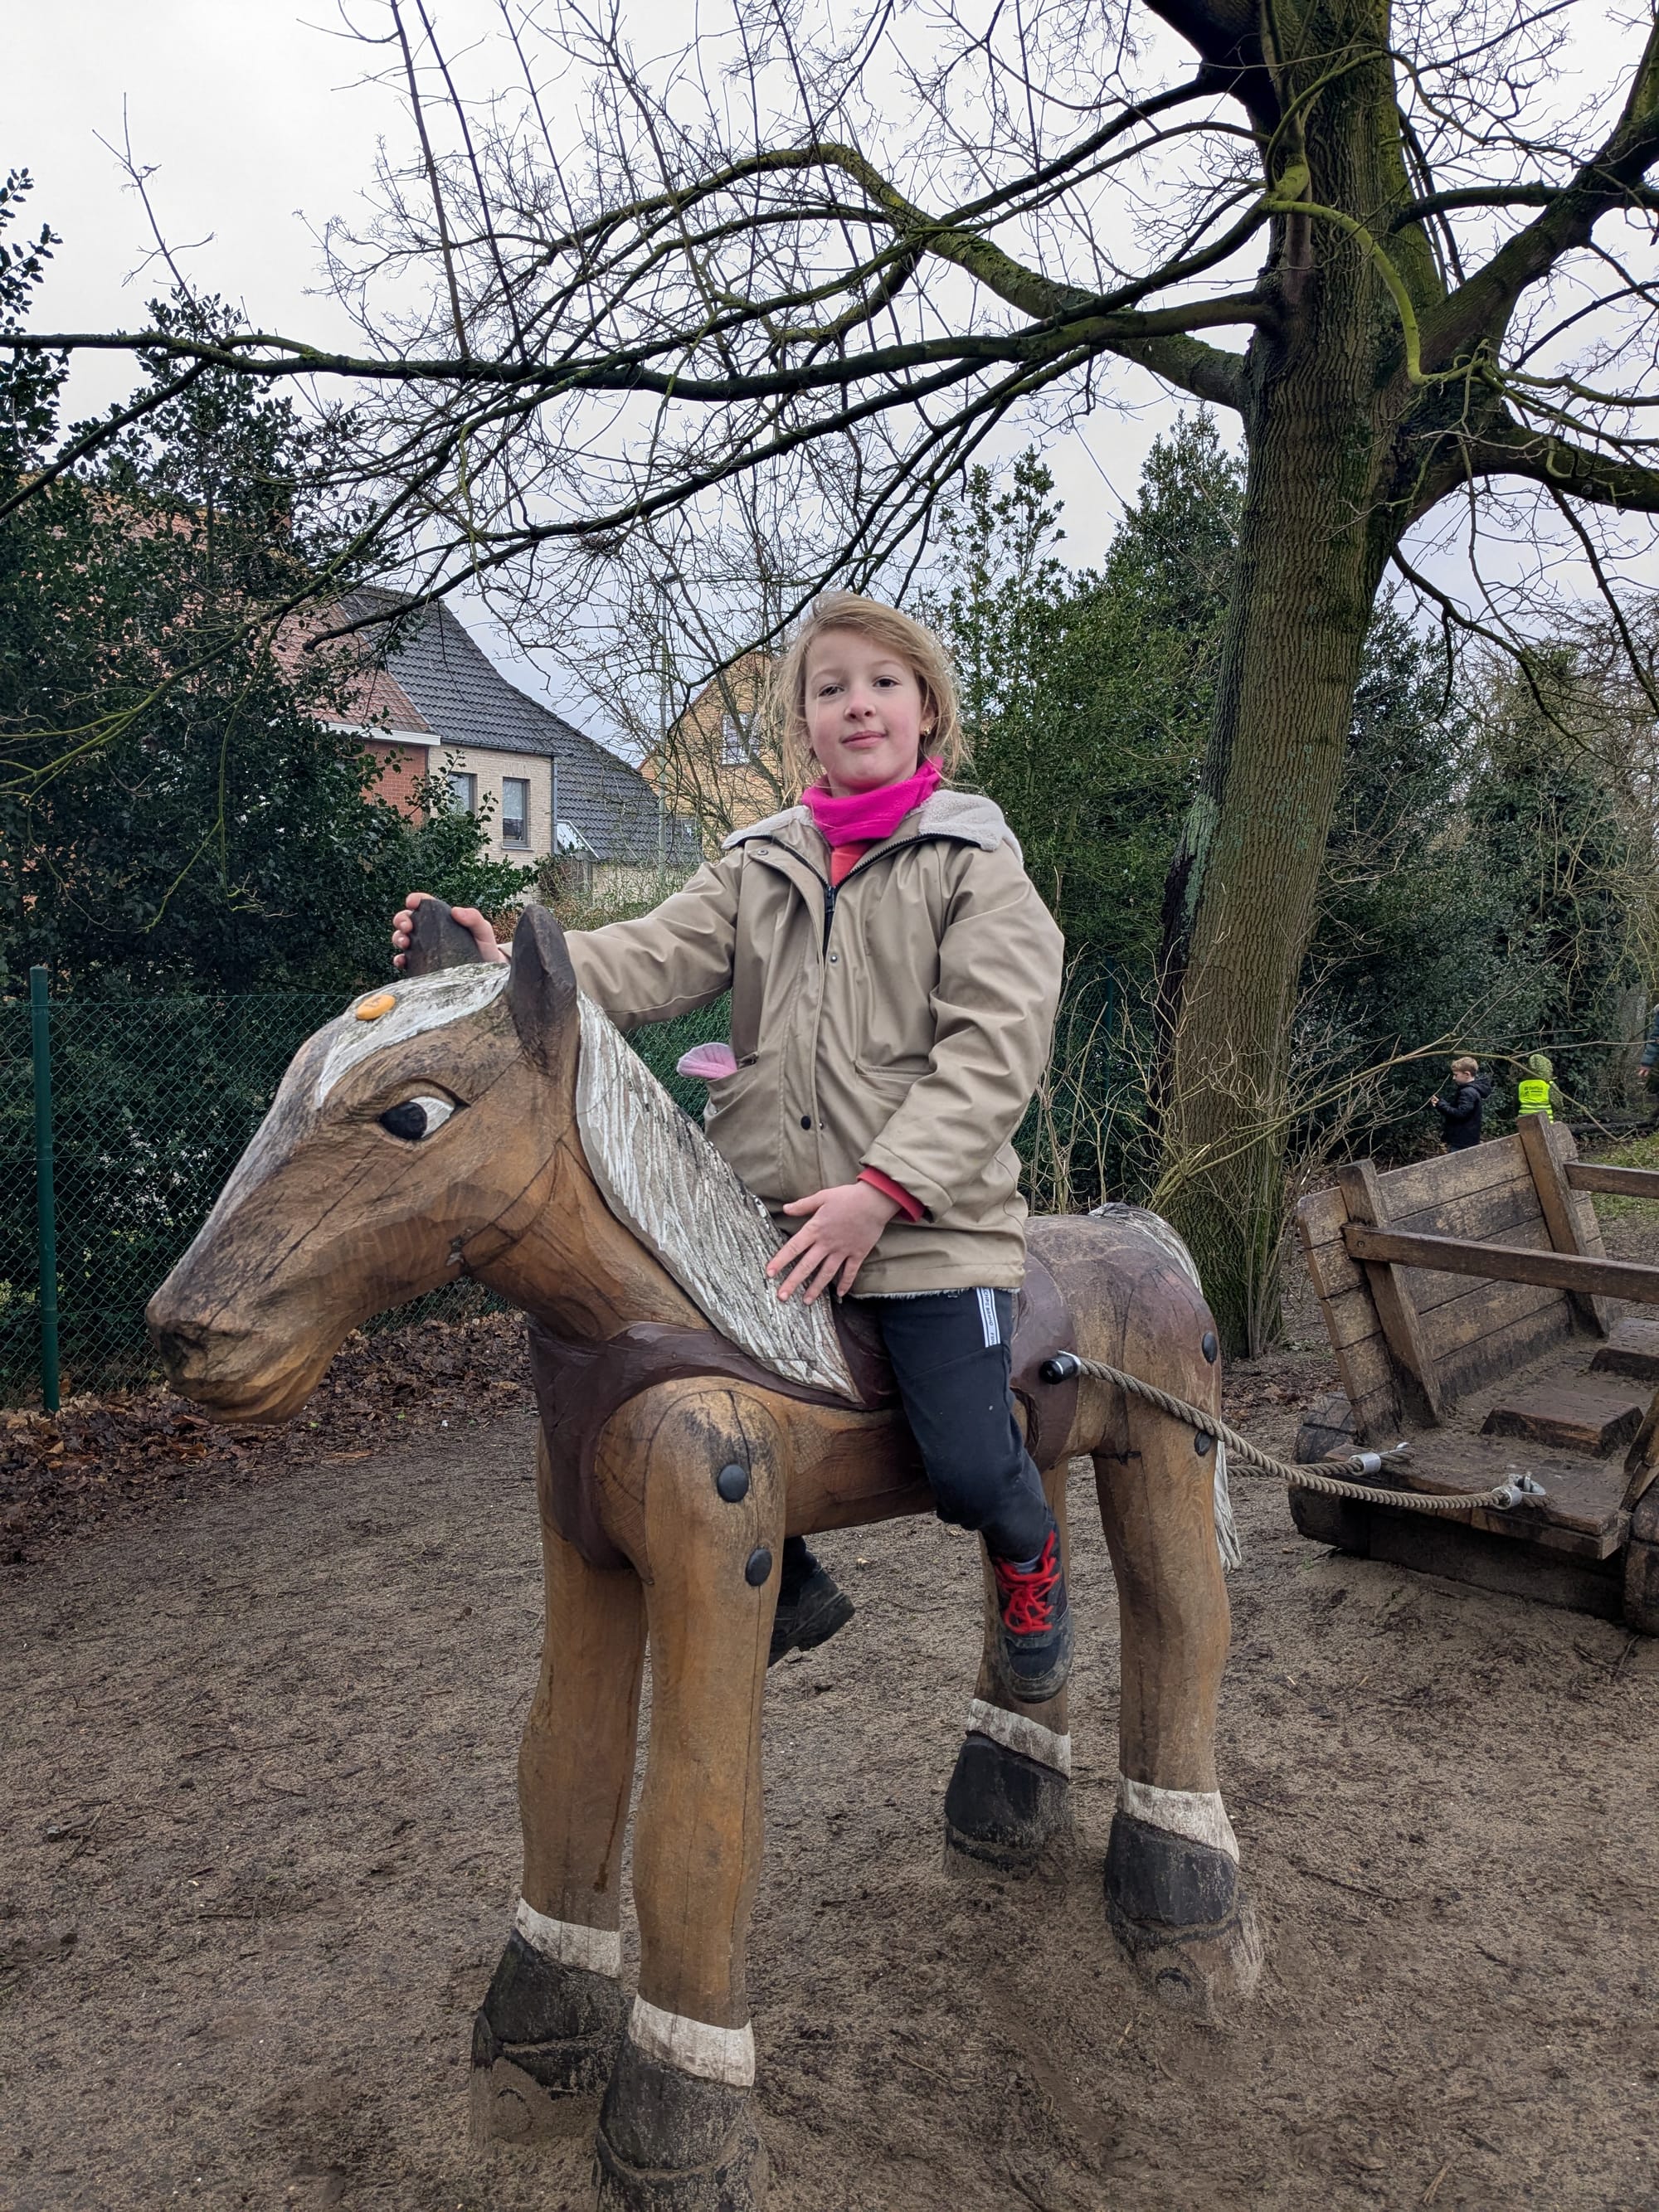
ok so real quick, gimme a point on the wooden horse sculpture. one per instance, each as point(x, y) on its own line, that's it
point(488, 1121)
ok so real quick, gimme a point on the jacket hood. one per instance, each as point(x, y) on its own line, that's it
point(966, 816)
point(1482, 1083)
point(1540, 1064)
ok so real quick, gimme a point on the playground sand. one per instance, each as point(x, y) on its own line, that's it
point(257, 1788)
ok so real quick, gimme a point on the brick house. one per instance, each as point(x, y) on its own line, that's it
point(434, 704)
point(719, 764)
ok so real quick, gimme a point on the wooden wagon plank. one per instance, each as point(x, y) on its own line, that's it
point(1631, 1348)
point(1622, 1182)
point(1548, 1152)
point(1367, 1375)
point(1583, 1416)
point(1498, 1201)
point(1419, 1385)
point(1455, 1325)
point(1365, 1368)
point(1503, 1263)
point(1320, 1216)
point(1449, 1178)
point(1466, 1553)
point(1431, 1288)
point(1451, 1323)
point(1332, 1273)
point(1490, 1212)
point(1491, 1358)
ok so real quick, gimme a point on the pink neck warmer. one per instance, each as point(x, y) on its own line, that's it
point(867, 815)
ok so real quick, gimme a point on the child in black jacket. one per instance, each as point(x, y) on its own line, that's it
point(1460, 1114)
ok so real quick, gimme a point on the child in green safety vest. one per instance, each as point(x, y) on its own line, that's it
point(1537, 1093)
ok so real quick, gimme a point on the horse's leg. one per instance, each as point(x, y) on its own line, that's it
point(674, 2133)
point(1174, 1897)
point(548, 2031)
point(1010, 1793)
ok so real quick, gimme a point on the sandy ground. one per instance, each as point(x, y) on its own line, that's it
point(256, 1788)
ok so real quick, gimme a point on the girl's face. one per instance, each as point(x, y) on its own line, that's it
point(864, 713)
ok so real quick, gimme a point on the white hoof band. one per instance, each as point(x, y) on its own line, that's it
point(1197, 1815)
point(1015, 1732)
point(712, 2054)
point(567, 1943)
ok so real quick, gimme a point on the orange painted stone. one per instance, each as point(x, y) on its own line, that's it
point(372, 1009)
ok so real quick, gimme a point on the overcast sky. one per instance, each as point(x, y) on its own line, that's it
point(260, 126)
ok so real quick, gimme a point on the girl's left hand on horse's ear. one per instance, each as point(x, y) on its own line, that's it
point(843, 1227)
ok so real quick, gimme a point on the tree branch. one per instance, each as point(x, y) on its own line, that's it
point(1210, 374)
point(1481, 308)
point(1578, 471)
point(1504, 196)
point(1227, 35)
point(1082, 322)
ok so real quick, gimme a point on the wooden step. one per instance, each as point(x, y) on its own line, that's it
point(1580, 1512)
point(1631, 1349)
point(1595, 1422)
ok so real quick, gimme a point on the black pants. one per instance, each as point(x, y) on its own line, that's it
point(951, 1358)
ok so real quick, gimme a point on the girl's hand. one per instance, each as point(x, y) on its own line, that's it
point(842, 1230)
point(484, 936)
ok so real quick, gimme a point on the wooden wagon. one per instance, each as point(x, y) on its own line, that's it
point(1466, 1299)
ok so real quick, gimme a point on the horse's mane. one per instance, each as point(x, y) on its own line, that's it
point(662, 1178)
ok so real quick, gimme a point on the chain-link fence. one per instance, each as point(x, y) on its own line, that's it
point(153, 1102)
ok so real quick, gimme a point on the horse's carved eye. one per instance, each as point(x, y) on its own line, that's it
point(417, 1118)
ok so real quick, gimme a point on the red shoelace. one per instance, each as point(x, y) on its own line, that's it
point(1027, 1593)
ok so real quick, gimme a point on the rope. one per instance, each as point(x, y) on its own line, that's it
point(1066, 1364)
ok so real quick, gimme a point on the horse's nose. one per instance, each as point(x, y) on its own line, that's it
point(181, 1346)
point(183, 1340)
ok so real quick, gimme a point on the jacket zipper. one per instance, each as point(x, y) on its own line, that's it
point(832, 891)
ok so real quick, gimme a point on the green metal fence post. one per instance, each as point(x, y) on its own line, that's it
point(45, 1201)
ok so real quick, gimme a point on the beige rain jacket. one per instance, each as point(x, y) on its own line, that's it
point(900, 1022)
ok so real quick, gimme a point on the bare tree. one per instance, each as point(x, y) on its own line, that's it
point(666, 654)
point(835, 259)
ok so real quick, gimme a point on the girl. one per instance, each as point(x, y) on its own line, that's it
point(894, 977)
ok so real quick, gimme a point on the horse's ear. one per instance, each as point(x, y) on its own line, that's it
point(541, 988)
point(438, 941)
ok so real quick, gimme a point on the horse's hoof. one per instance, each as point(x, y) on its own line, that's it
point(1002, 1809)
point(669, 2142)
point(543, 2043)
point(1202, 1972)
point(1182, 1914)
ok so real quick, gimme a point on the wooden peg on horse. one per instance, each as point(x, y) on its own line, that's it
point(438, 941)
point(487, 1121)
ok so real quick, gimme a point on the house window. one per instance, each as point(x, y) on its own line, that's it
point(516, 809)
point(463, 791)
point(734, 742)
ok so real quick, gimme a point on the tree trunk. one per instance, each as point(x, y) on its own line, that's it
point(1246, 881)
point(1323, 409)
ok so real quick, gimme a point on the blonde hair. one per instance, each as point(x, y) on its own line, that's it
point(908, 640)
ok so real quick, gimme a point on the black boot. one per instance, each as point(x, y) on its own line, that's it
point(1037, 1623)
point(811, 1604)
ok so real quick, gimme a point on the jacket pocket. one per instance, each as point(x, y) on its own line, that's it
point(900, 1073)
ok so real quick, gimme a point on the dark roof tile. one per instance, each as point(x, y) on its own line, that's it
point(466, 701)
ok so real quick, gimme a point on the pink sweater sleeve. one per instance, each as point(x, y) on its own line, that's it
point(911, 1208)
